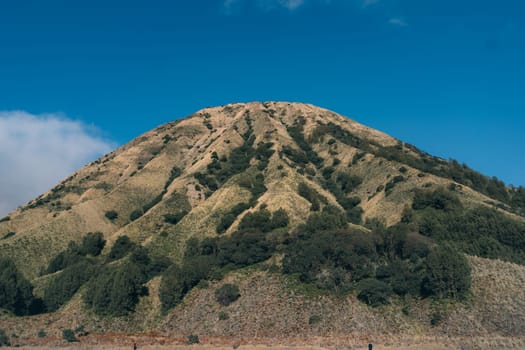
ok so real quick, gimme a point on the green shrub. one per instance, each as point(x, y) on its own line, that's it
point(66, 258)
point(4, 339)
point(92, 243)
point(177, 281)
point(111, 215)
point(16, 292)
point(244, 249)
point(392, 183)
point(228, 219)
point(259, 220)
point(8, 234)
point(223, 316)
point(348, 182)
point(135, 214)
point(447, 273)
point(439, 199)
point(115, 290)
point(63, 286)
point(42, 333)
point(314, 319)
point(279, 219)
point(374, 293)
point(174, 218)
point(311, 196)
point(192, 339)
point(227, 294)
point(122, 246)
point(69, 336)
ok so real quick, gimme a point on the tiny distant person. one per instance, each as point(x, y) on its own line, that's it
point(134, 346)
point(370, 346)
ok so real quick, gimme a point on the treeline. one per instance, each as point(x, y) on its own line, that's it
point(410, 155)
point(422, 256)
point(111, 284)
point(375, 264)
point(211, 258)
point(481, 231)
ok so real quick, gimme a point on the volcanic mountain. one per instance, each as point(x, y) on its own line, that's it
point(274, 220)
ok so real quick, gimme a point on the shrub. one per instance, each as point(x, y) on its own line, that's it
point(69, 336)
point(348, 182)
point(223, 316)
point(8, 235)
point(227, 294)
point(178, 281)
point(192, 339)
point(439, 199)
point(4, 339)
point(314, 319)
point(63, 286)
point(42, 333)
point(311, 196)
point(447, 273)
point(279, 219)
point(257, 220)
point(16, 292)
point(92, 243)
point(64, 259)
point(122, 246)
point(135, 214)
point(374, 293)
point(244, 249)
point(115, 290)
point(174, 218)
point(392, 183)
point(228, 219)
point(111, 215)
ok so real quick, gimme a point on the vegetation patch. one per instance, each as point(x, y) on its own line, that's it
point(16, 291)
point(480, 231)
point(410, 155)
point(227, 294)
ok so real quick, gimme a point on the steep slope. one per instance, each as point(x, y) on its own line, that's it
point(203, 176)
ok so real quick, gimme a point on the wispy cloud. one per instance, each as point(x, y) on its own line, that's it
point(291, 4)
point(397, 21)
point(367, 3)
point(37, 151)
point(233, 6)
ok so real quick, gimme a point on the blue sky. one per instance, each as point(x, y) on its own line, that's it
point(447, 76)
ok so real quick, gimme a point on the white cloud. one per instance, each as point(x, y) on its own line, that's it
point(37, 151)
point(396, 21)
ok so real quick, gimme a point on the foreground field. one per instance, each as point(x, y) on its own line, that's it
point(320, 343)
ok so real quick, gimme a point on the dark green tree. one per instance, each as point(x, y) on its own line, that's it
point(122, 246)
point(447, 273)
point(227, 294)
point(374, 293)
point(92, 243)
point(16, 292)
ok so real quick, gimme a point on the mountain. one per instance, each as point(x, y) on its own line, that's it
point(275, 220)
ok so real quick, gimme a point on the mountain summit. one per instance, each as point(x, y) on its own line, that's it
point(275, 210)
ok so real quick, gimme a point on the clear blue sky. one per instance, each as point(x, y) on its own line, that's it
point(447, 76)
